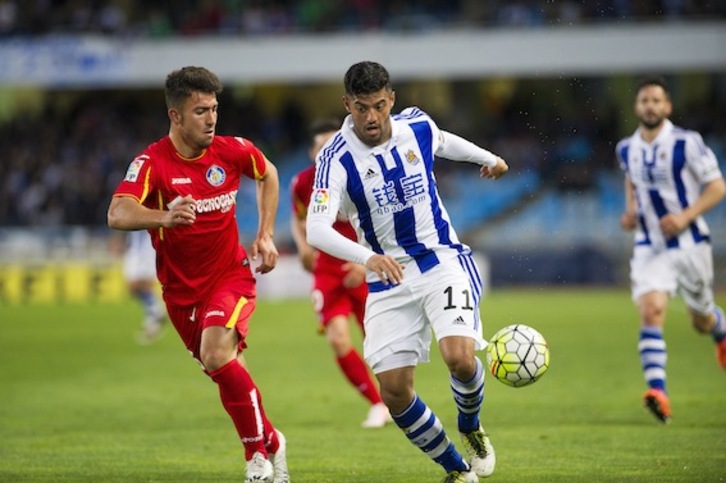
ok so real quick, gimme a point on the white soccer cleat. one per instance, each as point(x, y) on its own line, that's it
point(480, 451)
point(378, 416)
point(461, 477)
point(279, 461)
point(259, 470)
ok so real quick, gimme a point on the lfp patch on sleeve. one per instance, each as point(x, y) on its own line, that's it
point(321, 201)
point(132, 174)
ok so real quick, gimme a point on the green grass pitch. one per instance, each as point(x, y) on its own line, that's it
point(80, 401)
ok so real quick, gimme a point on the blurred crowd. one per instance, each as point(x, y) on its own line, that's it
point(163, 18)
point(60, 165)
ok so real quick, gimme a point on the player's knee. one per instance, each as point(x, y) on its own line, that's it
point(397, 399)
point(214, 358)
point(702, 323)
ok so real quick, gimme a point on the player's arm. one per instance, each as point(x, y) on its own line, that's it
point(713, 192)
point(702, 162)
point(629, 218)
point(305, 252)
point(456, 148)
point(268, 195)
point(322, 212)
point(126, 213)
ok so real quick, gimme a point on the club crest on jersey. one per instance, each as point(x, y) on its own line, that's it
point(412, 158)
point(132, 174)
point(321, 201)
point(216, 175)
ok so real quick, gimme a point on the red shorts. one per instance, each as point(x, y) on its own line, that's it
point(230, 305)
point(331, 298)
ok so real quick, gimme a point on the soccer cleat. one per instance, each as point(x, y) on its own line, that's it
point(259, 470)
point(656, 401)
point(721, 354)
point(480, 452)
point(378, 416)
point(458, 476)
point(279, 461)
point(151, 331)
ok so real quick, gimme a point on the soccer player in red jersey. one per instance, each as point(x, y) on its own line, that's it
point(339, 289)
point(183, 189)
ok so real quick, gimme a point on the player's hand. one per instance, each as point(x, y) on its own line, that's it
point(182, 211)
point(628, 220)
point(673, 223)
point(263, 245)
point(355, 274)
point(496, 172)
point(387, 269)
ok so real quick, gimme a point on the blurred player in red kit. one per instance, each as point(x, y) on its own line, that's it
point(339, 289)
point(183, 189)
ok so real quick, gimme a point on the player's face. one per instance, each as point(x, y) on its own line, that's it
point(196, 120)
point(318, 142)
point(371, 115)
point(652, 106)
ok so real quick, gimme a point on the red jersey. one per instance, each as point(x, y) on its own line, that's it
point(191, 259)
point(302, 189)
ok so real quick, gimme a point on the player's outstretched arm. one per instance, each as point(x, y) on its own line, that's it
point(268, 195)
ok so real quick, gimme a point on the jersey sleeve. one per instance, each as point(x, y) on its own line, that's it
point(701, 159)
point(414, 114)
point(621, 154)
point(138, 182)
point(252, 160)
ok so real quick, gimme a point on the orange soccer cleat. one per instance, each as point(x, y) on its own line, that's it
point(721, 353)
point(656, 401)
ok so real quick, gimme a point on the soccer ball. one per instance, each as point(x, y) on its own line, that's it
point(518, 355)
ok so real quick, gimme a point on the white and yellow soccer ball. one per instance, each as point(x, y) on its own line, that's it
point(518, 355)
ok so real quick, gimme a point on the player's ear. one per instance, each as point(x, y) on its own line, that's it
point(346, 103)
point(174, 115)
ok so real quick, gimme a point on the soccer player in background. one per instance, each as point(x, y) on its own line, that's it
point(183, 189)
point(139, 269)
point(671, 179)
point(378, 171)
point(339, 289)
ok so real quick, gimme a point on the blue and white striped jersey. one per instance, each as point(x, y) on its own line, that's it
point(388, 193)
point(668, 175)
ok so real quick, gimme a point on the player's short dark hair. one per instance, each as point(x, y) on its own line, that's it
point(180, 84)
point(365, 78)
point(323, 125)
point(653, 80)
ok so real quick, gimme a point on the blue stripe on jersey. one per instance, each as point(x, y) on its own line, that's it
point(413, 113)
point(679, 162)
point(661, 211)
point(423, 134)
point(624, 155)
point(358, 197)
point(404, 221)
point(323, 171)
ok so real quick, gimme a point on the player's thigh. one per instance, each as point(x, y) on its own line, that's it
point(652, 271)
point(695, 278)
point(451, 303)
point(395, 324)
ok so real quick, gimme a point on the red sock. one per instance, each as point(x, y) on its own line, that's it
point(357, 373)
point(271, 442)
point(240, 398)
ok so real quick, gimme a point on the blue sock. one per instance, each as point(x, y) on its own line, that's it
point(148, 300)
point(468, 396)
point(425, 431)
point(719, 328)
point(653, 356)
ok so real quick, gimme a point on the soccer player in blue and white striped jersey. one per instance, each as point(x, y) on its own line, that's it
point(671, 179)
point(378, 172)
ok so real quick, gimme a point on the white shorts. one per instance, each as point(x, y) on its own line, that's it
point(140, 257)
point(399, 321)
point(688, 272)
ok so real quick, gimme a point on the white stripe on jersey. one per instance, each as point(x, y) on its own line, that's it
point(667, 175)
point(389, 192)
